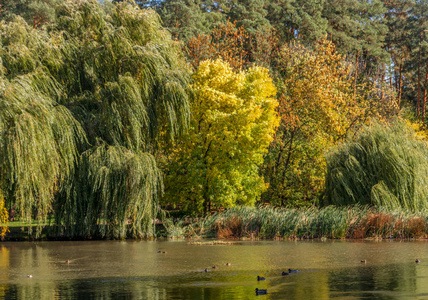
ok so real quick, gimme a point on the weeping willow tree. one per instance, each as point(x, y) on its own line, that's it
point(88, 101)
point(38, 136)
point(114, 187)
point(384, 166)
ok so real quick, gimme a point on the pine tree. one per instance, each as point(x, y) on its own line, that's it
point(35, 12)
point(357, 29)
point(187, 19)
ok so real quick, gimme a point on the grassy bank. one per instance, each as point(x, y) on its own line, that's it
point(355, 222)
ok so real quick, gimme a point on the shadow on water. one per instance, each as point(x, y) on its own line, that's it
point(135, 270)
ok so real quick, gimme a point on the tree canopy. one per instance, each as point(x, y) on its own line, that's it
point(318, 107)
point(87, 100)
point(384, 166)
point(233, 121)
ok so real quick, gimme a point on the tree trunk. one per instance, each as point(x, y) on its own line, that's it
point(418, 102)
point(356, 74)
point(400, 83)
point(425, 97)
point(383, 71)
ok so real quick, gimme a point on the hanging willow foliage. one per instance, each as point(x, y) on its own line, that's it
point(108, 75)
point(383, 166)
point(38, 137)
point(114, 195)
point(129, 66)
point(126, 84)
point(38, 144)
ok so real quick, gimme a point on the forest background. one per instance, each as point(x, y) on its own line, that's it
point(112, 112)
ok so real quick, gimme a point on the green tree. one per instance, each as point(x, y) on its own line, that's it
point(187, 19)
point(358, 31)
point(35, 12)
point(233, 120)
point(383, 166)
point(298, 19)
point(109, 76)
point(251, 14)
point(126, 84)
point(414, 81)
point(38, 136)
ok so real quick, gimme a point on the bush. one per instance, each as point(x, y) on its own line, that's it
point(383, 166)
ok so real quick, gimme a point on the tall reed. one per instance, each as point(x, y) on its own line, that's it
point(329, 222)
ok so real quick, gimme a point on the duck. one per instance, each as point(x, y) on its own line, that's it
point(214, 267)
point(292, 271)
point(285, 273)
point(363, 261)
point(205, 270)
point(260, 278)
point(228, 264)
point(417, 261)
point(261, 292)
point(29, 275)
point(67, 261)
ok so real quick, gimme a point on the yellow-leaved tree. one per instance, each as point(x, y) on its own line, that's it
point(4, 218)
point(233, 121)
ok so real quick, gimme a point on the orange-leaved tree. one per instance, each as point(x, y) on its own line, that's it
point(234, 45)
point(318, 107)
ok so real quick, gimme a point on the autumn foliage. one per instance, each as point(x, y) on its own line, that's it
point(233, 122)
point(235, 45)
point(318, 108)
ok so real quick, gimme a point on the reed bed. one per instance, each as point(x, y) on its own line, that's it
point(353, 222)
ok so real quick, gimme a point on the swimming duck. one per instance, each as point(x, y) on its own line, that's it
point(285, 273)
point(260, 278)
point(363, 261)
point(228, 264)
point(291, 271)
point(67, 261)
point(417, 261)
point(29, 276)
point(261, 292)
point(214, 267)
point(205, 270)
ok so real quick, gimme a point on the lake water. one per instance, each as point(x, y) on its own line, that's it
point(135, 270)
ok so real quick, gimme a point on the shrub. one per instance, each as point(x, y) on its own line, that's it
point(383, 166)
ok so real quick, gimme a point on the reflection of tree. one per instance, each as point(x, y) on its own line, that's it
point(399, 278)
point(313, 285)
point(4, 266)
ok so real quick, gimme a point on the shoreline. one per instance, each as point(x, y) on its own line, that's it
point(267, 223)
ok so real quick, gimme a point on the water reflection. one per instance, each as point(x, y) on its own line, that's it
point(135, 270)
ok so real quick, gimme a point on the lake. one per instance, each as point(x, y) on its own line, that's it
point(135, 270)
